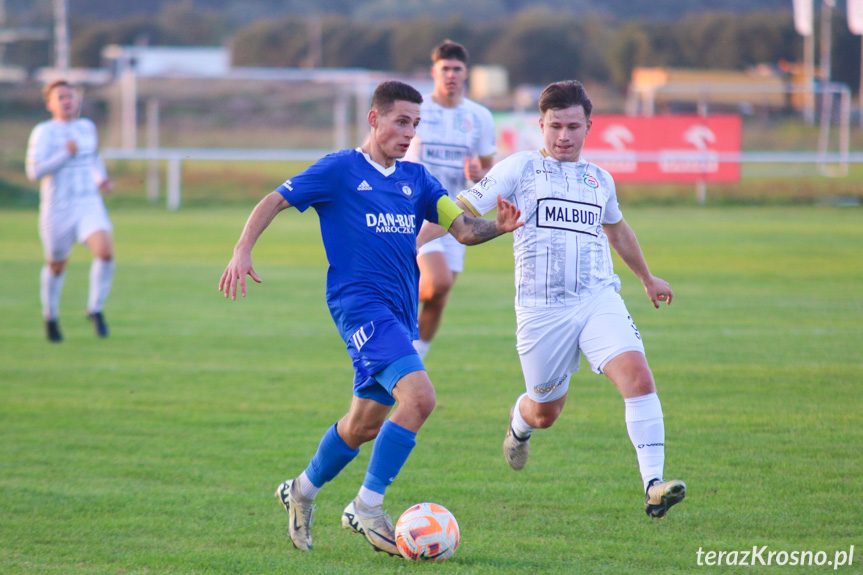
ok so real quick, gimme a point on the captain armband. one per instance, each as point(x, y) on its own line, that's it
point(447, 212)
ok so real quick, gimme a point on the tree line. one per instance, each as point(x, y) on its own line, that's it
point(535, 46)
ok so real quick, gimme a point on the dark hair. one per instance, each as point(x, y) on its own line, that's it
point(449, 50)
point(565, 94)
point(46, 92)
point(388, 93)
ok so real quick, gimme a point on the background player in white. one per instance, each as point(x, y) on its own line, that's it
point(566, 289)
point(455, 142)
point(63, 154)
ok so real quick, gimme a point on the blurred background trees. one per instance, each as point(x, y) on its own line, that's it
point(536, 41)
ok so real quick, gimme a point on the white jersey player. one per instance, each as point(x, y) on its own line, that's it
point(62, 155)
point(566, 289)
point(455, 142)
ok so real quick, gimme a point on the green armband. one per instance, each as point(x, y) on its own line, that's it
point(447, 212)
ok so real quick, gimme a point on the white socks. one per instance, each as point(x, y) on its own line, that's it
point(307, 488)
point(371, 498)
point(367, 496)
point(422, 346)
point(101, 278)
point(647, 432)
point(519, 425)
point(50, 288)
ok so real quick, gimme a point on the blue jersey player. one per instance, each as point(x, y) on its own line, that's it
point(370, 208)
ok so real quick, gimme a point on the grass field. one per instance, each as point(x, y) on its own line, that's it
point(157, 450)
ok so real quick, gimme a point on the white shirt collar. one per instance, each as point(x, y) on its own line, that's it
point(385, 171)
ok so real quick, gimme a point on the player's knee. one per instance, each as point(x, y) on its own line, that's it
point(546, 414)
point(425, 404)
point(441, 287)
point(57, 267)
point(422, 403)
point(545, 419)
point(643, 383)
point(359, 432)
point(104, 252)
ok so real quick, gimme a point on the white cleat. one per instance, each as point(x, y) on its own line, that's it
point(301, 511)
point(515, 450)
point(373, 523)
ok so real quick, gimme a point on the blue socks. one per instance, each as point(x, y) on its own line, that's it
point(332, 456)
point(392, 447)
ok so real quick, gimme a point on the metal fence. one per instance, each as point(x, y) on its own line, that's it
point(175, 157)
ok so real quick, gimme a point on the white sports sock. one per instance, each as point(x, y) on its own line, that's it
point(307, 488)
point(422, 346)
point(101, 278)
point(371, 498)
point(646, 429)
point(51, 286)
point(519, 425)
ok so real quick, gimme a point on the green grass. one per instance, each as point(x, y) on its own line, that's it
point(157, 450)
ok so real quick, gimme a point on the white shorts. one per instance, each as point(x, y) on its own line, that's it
point(60, 229)
point(451, 249)
point(549, 341)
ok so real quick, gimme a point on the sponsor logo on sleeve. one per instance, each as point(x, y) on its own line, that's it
point(487, 182)
point(579, 217)
point(473, 193)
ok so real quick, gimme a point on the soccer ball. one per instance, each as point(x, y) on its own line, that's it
point(427, 531)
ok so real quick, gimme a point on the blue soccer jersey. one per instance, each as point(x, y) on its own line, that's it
point(369, 218)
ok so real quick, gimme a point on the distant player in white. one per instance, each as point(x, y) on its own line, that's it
point(455, 142)
point(63, 155)
point(566, 289)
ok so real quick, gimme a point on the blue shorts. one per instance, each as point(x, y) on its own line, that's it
point(382, 353)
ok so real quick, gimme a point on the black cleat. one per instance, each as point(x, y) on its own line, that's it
point(661, 495)
point(99, 323)
point(52, 331)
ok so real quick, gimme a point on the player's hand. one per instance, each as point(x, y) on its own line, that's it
point(235, 274)
point(106, 186)
point(72, 146)
point(472, 169)
point(658, 290)
point(507, 216)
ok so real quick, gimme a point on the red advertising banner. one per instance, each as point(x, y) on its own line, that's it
point(667, 149)
point(658, 149)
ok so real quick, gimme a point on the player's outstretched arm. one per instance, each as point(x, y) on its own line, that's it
point(241, 263)
point(470, 230)
point(623, 240)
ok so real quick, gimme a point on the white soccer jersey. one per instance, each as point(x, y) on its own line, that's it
point(562, 256)
point(446, 136)
point(66, 180)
